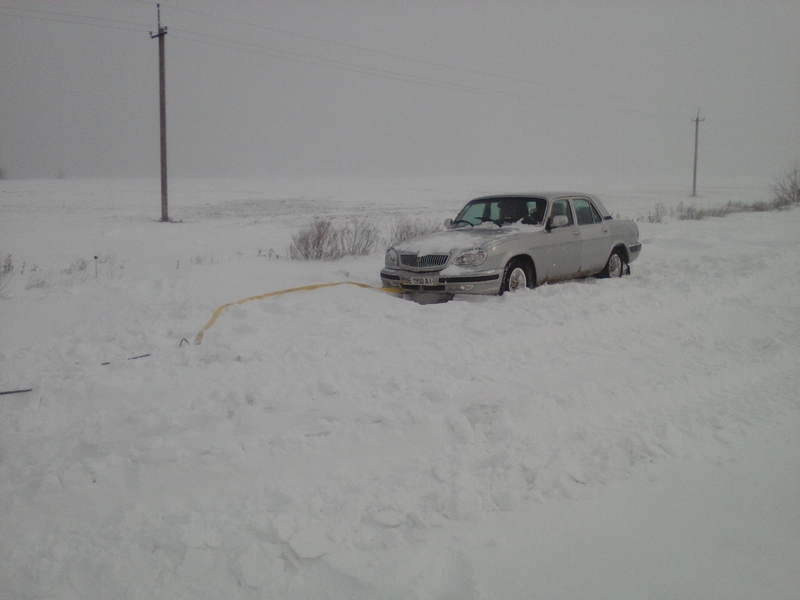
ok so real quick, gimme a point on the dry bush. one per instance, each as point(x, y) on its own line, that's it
point(656, 215)
point(322, 240)
point(693, 213)
point(315, 242)
point(359, 238)
point(38, 282)
point(78, 265)
point(404, 229)
point(6, 272)
point(786, 190)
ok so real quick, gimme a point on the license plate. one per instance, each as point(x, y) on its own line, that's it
point(420, 281)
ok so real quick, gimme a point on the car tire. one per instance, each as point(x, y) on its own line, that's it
point(516, 277)
point(616, 265)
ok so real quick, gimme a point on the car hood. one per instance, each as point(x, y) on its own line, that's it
point(452, 240)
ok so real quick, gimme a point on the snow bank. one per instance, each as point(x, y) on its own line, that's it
point(343, 442)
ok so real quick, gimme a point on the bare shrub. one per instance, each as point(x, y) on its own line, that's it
point(202, 259)
point(693, 213)
point(77, 266)
point(762, 206)
point(269, 254)
point(6, 272)
point(106, 264)
point(688, 213)
point(359, 238)
point(78, 271)
point(318, 241)
point(786, 190)
point(656, 215)
point(37, 282)
point(322, 240)
point(404, 229)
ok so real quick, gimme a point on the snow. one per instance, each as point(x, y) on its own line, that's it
point(634, 438)
point(455, 240)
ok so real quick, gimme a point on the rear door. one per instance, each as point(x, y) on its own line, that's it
point(595, 236)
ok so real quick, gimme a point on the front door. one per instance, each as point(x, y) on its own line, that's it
point(564, 244)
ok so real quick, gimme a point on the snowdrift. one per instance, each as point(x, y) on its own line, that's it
point(341, 442)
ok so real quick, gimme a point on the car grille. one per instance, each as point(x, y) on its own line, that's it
point(427, 261)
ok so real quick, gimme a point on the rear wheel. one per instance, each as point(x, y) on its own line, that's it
point(616, 265)
point(517, 277)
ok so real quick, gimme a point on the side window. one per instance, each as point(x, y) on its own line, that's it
point(536, 210)
point(586, 212)
point(561, 207)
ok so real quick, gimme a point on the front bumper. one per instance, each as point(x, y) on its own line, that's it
point(487, 283)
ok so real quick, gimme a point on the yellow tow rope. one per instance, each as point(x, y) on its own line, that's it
point(304, 288)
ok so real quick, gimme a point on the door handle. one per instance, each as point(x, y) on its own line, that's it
point(576, 232)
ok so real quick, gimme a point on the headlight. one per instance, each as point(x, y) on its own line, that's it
point(471, 258)
point(391, 257)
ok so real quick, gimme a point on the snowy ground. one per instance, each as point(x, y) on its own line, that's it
point(595, 439)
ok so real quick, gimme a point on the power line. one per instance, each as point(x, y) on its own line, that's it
point(417, 60)
point(288, 55)
point(71, 18)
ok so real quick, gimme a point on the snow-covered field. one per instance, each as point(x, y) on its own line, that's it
point(632, 439)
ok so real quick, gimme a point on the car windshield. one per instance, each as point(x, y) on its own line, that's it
point(502, 211)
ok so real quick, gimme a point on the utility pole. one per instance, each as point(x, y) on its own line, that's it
point(162, 31)
point(696, 138)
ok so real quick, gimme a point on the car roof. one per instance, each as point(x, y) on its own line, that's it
point(549, 196)
point(545, 195)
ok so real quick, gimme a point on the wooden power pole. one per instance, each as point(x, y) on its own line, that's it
point(162, 94)
point(696, 138)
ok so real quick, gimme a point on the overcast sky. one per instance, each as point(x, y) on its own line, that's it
point(404, 88)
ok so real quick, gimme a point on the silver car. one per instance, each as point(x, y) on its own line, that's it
point(506, 243)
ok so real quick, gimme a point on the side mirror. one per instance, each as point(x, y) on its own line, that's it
point(447, 223)
point(558, 221)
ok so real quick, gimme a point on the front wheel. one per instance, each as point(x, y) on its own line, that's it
point(616, 265)
point(517, 277)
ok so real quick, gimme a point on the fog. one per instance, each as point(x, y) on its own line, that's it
point(538, 89)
